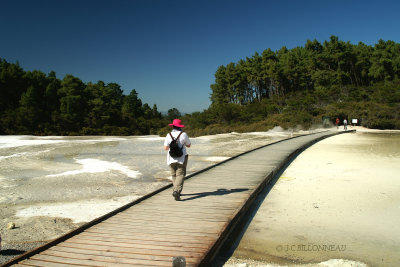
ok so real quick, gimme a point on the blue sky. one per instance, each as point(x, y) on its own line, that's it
point(169, 50)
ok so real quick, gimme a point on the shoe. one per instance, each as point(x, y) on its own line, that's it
point(176, 196)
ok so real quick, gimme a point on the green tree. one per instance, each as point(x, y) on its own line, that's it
point(270, 73)
point(73, 104)
point(173, 113)
point(147, 111)
point(12, 85)
point(132, 105)
point(156, 114)
point(385, 61)
point(220, 93)
point(28, 111)
point(104, 105)
point(32, 106)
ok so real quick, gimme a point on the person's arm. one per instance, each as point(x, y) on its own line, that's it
point(187, 141)
point(167, 141)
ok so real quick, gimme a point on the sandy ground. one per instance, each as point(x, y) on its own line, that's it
point(337, 204)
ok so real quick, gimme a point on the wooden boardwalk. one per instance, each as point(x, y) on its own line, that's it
point(153, 230)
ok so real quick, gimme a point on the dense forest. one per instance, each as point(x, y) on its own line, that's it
point(289, 87)
point(32, 102)
point(303, 85)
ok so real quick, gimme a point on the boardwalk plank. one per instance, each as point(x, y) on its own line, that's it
point(127, 252)
point(106, 259)
point(101, 244)
point(134, 250)
point(195, 211)
point(167, 221)
point(155, 236)
point(151, 228)
point(153, 225)
point(180, 219)
point(41, 263)
point(182, 233)
point(144, 242)
point(193, 241)
point(87, 262)
point(118, 254)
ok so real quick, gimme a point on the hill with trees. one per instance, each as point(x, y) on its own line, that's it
point(287, 88)
point(32, 102)
point(300, 86)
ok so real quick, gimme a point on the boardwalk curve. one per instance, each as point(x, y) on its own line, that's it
point(155, 228)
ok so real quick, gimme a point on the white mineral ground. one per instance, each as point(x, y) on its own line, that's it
point(337, 204)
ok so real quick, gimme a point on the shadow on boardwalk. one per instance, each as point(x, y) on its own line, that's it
point(218, 192)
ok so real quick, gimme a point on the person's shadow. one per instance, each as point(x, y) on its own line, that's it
point(218, 192)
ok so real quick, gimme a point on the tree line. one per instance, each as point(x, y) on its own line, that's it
point(32, 102)
point(301, 85)
point(311, 67)
point(288, 88)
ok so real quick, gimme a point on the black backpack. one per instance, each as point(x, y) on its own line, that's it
point(175, 150)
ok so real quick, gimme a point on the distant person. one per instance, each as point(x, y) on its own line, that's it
point(345, 124)
point(337, 123)
point(178, 164)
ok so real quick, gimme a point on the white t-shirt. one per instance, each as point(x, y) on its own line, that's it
point(183, 141)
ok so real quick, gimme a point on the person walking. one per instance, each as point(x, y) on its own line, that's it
point(345, 124)
point(177, 165)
